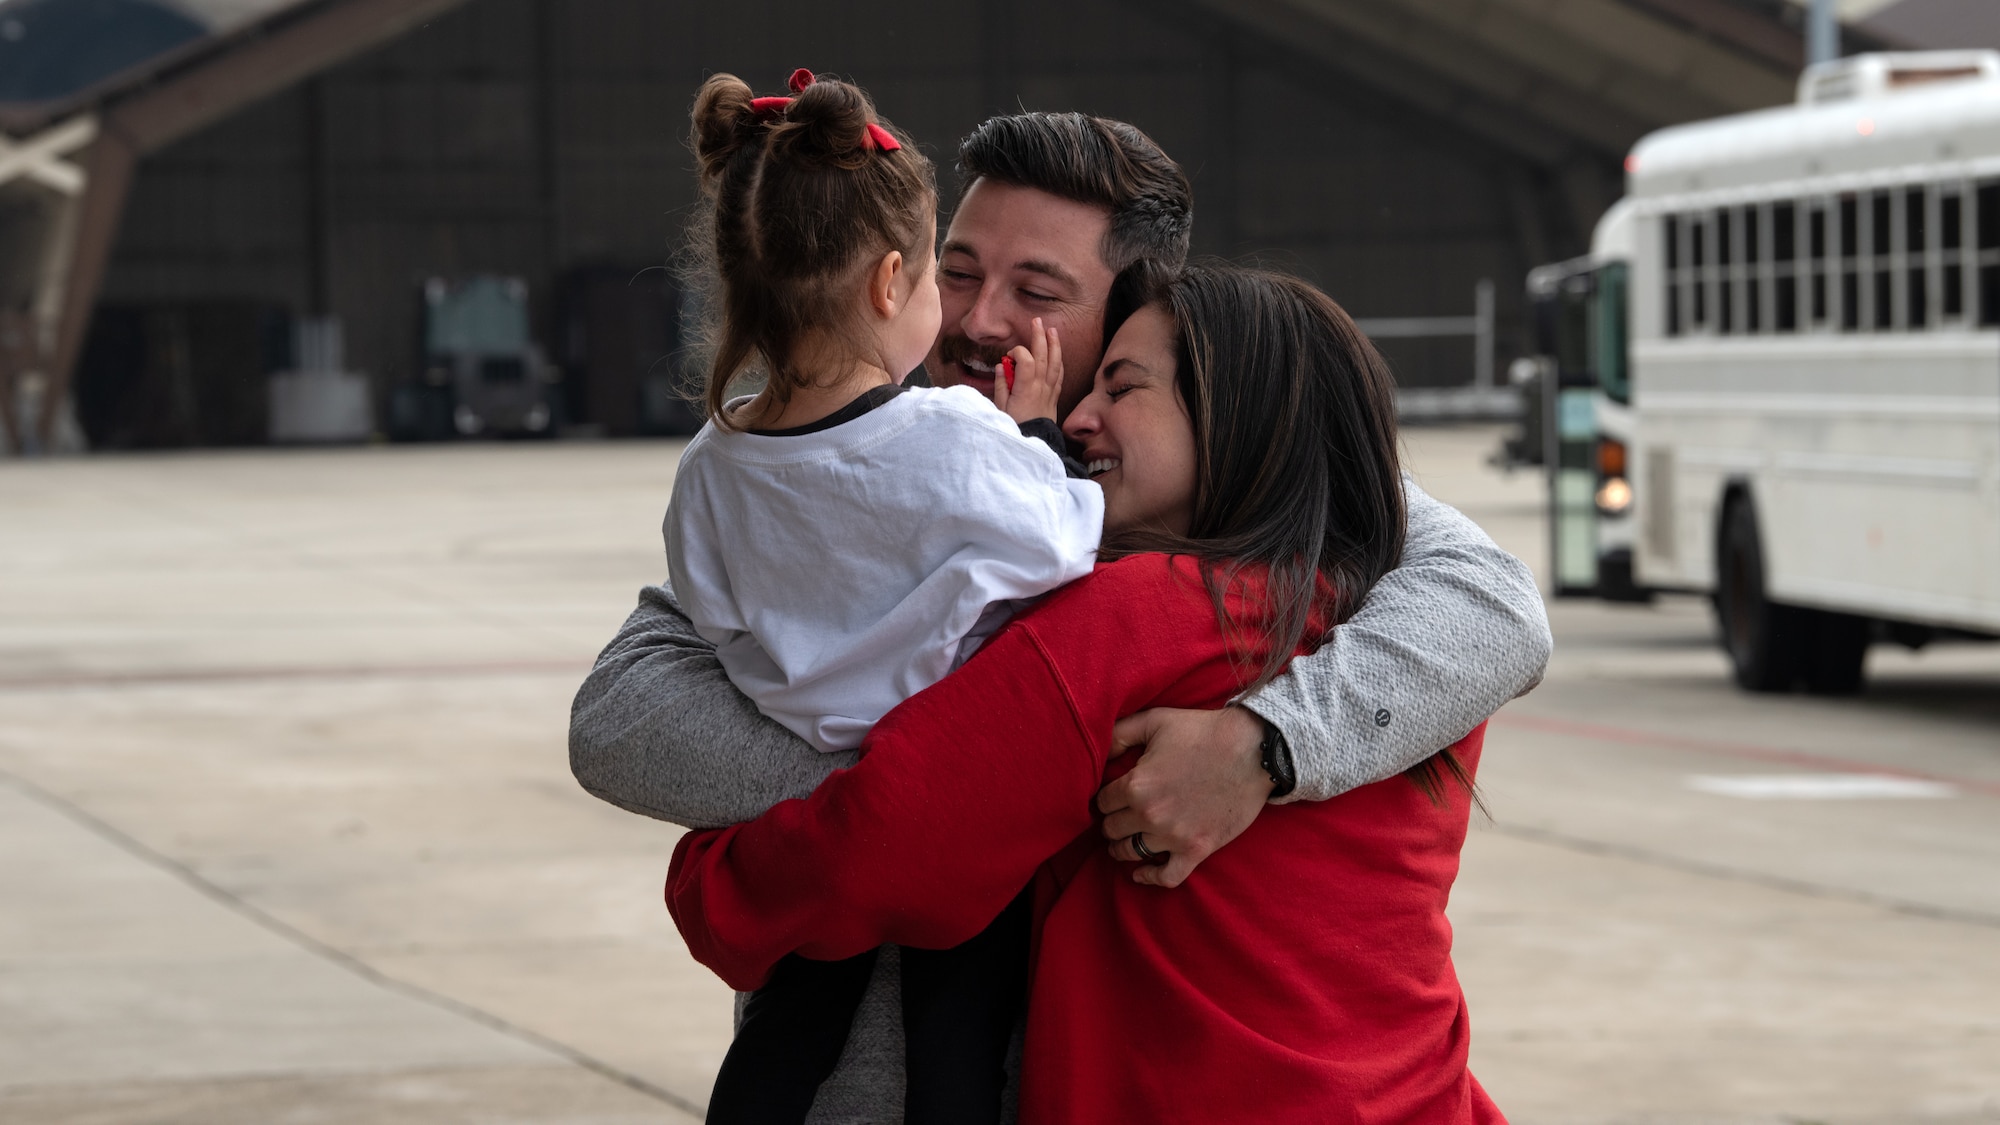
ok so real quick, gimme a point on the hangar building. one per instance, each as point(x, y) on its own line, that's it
point(192, 191)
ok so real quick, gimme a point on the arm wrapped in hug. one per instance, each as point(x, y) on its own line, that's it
point(962, 793)
point(658, 729)
point(1442, 642)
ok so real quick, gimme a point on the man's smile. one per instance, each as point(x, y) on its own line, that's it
point(969, 363)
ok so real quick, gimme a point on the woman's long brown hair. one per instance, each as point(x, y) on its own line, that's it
point(1297, 475)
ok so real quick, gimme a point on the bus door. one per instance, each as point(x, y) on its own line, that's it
point(1581, 316)
point(1572, 509)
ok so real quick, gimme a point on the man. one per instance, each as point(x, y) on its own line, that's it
point(1052, 207)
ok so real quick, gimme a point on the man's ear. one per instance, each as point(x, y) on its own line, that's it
point(882, 295)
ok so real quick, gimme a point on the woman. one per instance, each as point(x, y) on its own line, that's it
point(1244, 434)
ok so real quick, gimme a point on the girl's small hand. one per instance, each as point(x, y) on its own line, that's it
point(1037, 379)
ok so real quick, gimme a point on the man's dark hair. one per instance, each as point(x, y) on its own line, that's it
point(1091, 160)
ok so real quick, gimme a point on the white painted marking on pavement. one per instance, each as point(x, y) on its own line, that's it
point(1819, 787)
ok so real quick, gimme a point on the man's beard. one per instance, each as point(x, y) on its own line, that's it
point(954, 348)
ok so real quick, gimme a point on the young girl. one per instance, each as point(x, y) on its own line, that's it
point(845, 541)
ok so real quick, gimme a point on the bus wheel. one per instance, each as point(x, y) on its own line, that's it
point(1760, 637)
point(1834, 652)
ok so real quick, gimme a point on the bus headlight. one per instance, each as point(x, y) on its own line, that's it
point(1614, 497)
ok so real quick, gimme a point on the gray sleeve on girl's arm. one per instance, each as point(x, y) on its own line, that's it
point(1444, 640)
point(658, 729)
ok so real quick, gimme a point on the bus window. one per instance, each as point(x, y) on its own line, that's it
point(1697, 258)
point(1816, 238)
point(1673, 256)
point(1785, 252)
point(1951, 227)
point(1608, 334)
point(1753, 281)
point(1881, 227)
point(1725, 295)
point(1916, 255)
point(1987, 221)
point(1850, 277)
point(1572, 326)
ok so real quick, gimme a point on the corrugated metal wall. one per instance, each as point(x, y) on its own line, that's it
point(534, 138)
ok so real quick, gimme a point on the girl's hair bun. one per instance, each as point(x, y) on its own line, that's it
point(798, 192)
point(724, 121)
point(827, 122)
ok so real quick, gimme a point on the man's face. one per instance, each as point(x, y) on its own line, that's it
point(1013, 254)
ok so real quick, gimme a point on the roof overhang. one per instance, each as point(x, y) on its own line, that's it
point(1552, 79)
point(171, 95)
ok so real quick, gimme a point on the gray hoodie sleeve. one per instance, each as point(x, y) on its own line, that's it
point(1442, 642)
point(1454, 632)
point(658, 729)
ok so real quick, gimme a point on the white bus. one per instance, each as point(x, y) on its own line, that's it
point(1780, 370)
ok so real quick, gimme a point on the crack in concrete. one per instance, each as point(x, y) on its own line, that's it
point(335, 955)
point(1587, 846)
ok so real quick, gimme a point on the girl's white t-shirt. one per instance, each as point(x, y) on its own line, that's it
point(842, 571)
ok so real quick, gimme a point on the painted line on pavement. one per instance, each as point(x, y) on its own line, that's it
point(97, 680)
point(1820, 787)
point(1745, 750)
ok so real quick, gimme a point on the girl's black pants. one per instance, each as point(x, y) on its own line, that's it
point(960, 1007)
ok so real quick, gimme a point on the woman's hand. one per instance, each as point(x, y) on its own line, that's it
point(1198, 785)
point(1030, 379)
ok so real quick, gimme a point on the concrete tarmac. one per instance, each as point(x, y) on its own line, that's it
point(287, 832)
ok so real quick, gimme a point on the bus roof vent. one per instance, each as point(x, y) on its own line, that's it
point(1877, 75)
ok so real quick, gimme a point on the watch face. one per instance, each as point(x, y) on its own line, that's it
point(1276, 759)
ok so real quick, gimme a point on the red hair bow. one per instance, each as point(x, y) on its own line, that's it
point(767, 108)
point(771, 107)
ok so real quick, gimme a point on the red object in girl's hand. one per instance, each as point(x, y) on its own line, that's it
point(1007, 369)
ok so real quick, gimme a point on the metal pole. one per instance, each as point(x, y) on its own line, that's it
point(1822, 32)
point(1482, 315)
point(319, 189)
point(1551, 386)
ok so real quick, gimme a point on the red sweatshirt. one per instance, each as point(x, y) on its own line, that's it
point(1303, 974)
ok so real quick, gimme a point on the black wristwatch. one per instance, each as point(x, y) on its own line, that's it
point(1275, 755)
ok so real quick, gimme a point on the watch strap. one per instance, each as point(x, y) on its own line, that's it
point(1275, 755)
